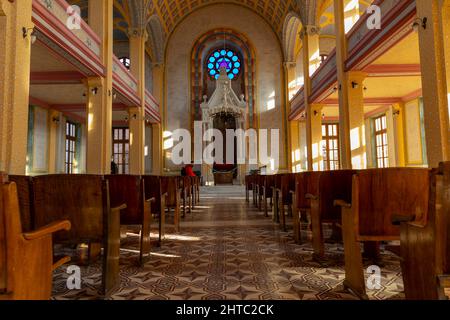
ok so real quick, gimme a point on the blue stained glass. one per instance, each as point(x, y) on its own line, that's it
point(224, 58)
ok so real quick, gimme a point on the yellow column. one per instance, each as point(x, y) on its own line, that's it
point(289, 73)
point(157, 149)
point(295, 145)
point(341, 56)
point(54, 121)
point(138, 38)
point(157, 145)
point(15, 53)
point(434, 82)
point(99, 93)
point(310, 42)
point(356, 119)
point(446, 28)
point(316, 136)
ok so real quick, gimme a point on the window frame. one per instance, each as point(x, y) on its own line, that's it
point(381, 141)
point(123, 154)
point(327, 140)
point(70, 147)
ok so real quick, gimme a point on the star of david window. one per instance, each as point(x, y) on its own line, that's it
point(224, 58)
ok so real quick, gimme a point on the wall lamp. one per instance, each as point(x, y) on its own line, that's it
point(55, 120)
point(396, 113)
point(25, 32)
point(420, 22)
point(355, 85)
point(94, 91)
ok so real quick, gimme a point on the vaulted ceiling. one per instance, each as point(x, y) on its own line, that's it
point(171, 12)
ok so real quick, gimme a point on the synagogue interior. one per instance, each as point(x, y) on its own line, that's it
point(224, 150)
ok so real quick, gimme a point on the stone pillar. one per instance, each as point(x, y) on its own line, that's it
point(341, 55)
point(295, 145)
point(311, 58)
point(289, 75)
point(434, 80)
point(157, 147)
point(138, 38)
point(53, 141)
point(316, 136)
point(99, 93)
point(356, 119)
point(15, 53)
point(446, 35)
point(158, 93)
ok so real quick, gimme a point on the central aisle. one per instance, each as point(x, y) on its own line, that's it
point(227, 249)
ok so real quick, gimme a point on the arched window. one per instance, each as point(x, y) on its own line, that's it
point(224, 58)
point(126, 62)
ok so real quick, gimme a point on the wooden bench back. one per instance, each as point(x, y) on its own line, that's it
point(269, 182)
point(25, 192)
point(3, 243)
point(153, 189)
point(81, 199)
point(381, 193)
point(171, 185)
point(249, 180)
point(127, 189)
point(306, 183)
point(334, 185)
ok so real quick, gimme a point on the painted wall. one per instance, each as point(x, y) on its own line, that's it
point(268, 66)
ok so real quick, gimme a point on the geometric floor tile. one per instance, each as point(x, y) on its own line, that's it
point(227, 249)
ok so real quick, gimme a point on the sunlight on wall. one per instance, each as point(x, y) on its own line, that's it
point(355, 142)
point(90, 121)
point(314, 62)
point(168, 141)
point(271, 101)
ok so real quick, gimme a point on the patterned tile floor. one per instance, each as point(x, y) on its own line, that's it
point(228, 250)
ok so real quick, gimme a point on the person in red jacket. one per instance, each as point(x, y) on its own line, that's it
point(189, 170)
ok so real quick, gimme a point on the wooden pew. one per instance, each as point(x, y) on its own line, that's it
point(378, 195)
point(84, 201)
point(269, 182)
point(248, 186)
point(196, 189)
point(173, 188)
point(285, 188)
point(425, 243)
point(26, 258)
point(154, 190)
point(25, 191)
point(332, 185)
point(306, 183)
point(260, 191)
point(186, 194)
point(130, 190)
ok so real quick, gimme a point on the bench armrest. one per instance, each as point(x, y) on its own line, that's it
point(119, 208)
point(152, 199)
point(342, 203)
point(47, 230)
point(397, 220)
point(292, 192)
point(311, 196)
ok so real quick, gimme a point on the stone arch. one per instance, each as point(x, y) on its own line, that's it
point(239, 40)
point(156, 38)
point(291, 28)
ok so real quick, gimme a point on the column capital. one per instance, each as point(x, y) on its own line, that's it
point(357, 76)
point(289, 64)
point(138, 33)
point(309, 30)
